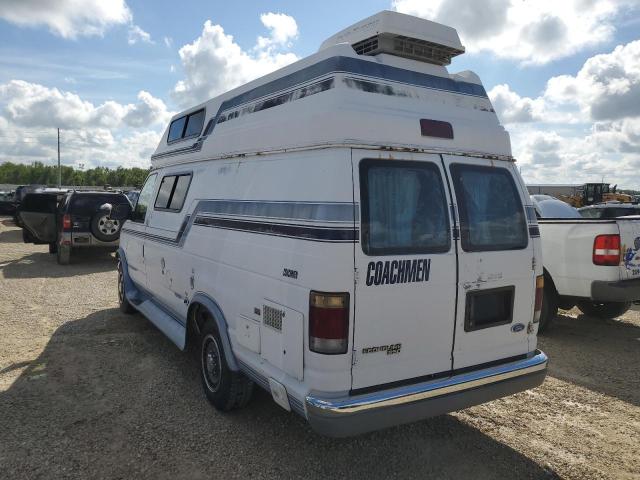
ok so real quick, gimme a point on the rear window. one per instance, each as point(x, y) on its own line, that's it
point(176, 129)
point(491, 213)
point(404, 208)
point(88, 204)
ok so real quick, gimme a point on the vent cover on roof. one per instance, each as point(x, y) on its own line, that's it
point(401, 46)
point(401, 35)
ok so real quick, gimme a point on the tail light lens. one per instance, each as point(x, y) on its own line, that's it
point(66, 222)
point(328, 322)
point(606, 250)
point(537, 308)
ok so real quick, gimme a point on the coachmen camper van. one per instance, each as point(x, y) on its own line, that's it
point(349, 233)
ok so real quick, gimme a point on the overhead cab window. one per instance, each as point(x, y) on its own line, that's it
point(186, 127)
point(172, 192)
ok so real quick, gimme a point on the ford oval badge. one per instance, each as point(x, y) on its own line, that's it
point(518, 327)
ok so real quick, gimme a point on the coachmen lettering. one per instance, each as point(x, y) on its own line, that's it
point(398, 271)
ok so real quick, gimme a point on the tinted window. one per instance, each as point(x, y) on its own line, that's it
point(620, 212)
point(164, 193)
point(491, 213)
point(194, 124)
point(180, 192)
point(144, 199)
point(176, 129)
point(39, 202)
point(404, 208)
point(591, 213)
point(87, 204)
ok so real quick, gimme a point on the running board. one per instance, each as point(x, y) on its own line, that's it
point(165, 322)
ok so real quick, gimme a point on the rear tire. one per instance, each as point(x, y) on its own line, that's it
point(603, 310)
point(225, 389)
point(63, 254)
point(105, 228)
point(125, 306)
point(549, 306)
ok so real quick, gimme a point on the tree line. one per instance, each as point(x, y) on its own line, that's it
point(41, 174)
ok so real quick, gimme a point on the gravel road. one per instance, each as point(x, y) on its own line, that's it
point(87, 392)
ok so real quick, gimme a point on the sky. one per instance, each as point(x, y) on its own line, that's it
point(563, 76)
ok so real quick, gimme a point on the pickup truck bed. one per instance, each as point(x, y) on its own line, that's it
point(594, 264)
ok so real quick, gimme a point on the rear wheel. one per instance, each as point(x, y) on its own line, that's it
point(549, 306)
point(603, 310)
point(125, 306)
point(225, 389)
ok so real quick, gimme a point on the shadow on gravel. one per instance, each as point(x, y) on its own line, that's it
point(45, 265)
point(11, 236)
point(601, 355)
point(110, 396)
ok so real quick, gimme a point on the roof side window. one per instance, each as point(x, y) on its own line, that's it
point(194, 124)
point(176, 129)
point(172, 192)
point(404, 208)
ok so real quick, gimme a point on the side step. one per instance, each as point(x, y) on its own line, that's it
point(166, 323)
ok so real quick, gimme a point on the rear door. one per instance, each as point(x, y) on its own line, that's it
point(405, 269)
point(38, 216)
point(496, 285)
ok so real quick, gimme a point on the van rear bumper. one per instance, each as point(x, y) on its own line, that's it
point(352, 415)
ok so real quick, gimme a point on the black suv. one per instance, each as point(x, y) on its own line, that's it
point(75, 220)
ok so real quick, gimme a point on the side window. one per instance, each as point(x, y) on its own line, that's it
point(176, 129)
point(164, 193)
point(194, 124)
point(172, 192)
point(186, 126)
point(144, 200)
point(491, 213)
point(404, 208)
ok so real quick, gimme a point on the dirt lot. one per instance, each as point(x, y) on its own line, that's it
point(86, 391)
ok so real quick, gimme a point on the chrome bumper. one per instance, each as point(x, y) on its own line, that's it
point(352, 415)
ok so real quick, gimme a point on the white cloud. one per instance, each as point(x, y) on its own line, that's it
point(33, 105)
point(168, 41)
point(67, 18)
point(282, 29)
point(109, 134)
point(137, 34)
point(214, 63)
point(537, 31)
point(512, 108)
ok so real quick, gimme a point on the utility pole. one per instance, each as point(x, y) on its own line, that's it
point(59, 168)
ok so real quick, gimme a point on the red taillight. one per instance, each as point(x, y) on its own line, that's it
point(66, 222)
point(537, 308)
point(606, 250)
point(328, 322)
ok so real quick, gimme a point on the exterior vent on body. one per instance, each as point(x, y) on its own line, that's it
point(272, 317)
point(407, 47)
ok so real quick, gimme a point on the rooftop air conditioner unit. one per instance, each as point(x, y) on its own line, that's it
point(401, 35)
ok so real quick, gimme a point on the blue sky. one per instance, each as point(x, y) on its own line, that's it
point(552, 69)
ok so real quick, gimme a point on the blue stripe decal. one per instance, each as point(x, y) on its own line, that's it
point(323, 212)
point(360, 67)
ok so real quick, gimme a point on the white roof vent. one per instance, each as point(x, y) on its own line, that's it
point(401, 35)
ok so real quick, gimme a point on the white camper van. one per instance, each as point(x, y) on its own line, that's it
point(349, 233)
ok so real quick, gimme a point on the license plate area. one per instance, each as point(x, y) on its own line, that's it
point(488, 308)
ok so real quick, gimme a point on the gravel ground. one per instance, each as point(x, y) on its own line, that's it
point(86, 391)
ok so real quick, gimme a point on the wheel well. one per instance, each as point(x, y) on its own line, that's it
point(547, 278)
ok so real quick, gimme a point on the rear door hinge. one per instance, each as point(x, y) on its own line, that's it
point(354, 357)
point(356, 275)
point(533, 263)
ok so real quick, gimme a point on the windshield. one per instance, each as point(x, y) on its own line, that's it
point(553, 208)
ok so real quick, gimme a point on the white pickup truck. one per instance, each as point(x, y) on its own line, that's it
point(594, 264)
